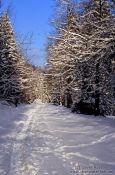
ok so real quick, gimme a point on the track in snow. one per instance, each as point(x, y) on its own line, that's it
point(42, 139)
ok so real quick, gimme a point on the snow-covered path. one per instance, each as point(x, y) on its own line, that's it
point(42, 139)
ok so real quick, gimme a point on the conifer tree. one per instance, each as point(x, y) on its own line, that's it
point(81, 55)
point(9, 85)
point(18, 78)
point(62, 49)
point(97, 22)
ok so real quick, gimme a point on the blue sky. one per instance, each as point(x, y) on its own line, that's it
point(33, 16)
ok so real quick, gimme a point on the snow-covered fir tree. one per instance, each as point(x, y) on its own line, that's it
point(9, 83)
point(61, 52)
point(18, 78)
point(98, 87)
point(81, 56)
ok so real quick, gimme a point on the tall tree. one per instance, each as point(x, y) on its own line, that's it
point(8, 57)
point(62, 49)
point(97, 21)
point(77, 54)
point(17, 76)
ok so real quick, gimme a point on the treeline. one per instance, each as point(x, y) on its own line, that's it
point(80, 69)
point(81, 56)
point(19, 80)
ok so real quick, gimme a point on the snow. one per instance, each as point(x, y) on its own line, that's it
point(43, 139)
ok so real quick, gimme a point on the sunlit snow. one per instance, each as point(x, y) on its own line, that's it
point(42, 139)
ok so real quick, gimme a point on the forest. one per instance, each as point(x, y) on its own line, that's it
point(80, 69)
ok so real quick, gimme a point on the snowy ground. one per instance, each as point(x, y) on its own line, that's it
point(42, 139)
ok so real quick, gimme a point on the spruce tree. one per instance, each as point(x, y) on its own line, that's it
point(18, 78)
point(9, 84)
point(100, 46)
point(62, 49)
point(81, 55)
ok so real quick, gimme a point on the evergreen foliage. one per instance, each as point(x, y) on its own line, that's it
point(80, 70)
point(18, 78)
point(81, 55)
